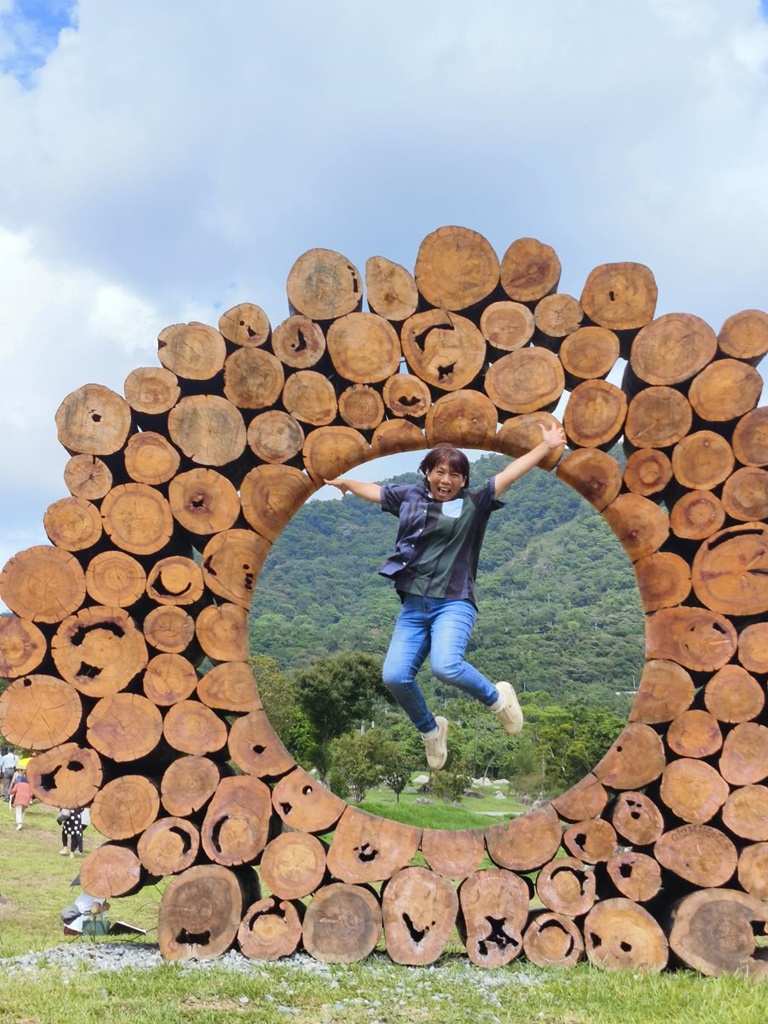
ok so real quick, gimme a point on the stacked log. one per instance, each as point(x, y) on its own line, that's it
point(127, 649)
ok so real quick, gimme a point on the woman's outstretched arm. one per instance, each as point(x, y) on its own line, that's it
point(367, 491)
point(552, 437)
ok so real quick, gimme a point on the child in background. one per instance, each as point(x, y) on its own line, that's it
point(21, 797)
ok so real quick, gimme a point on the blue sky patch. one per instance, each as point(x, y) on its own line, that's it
point(31, 32)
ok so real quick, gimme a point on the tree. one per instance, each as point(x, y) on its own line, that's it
point(353, 768)
point(394, 762)
point(279, 696)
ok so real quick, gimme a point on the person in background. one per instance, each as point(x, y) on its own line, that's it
point(7, 768)
point(20, 797)
point(73, 824)
point(85, 908)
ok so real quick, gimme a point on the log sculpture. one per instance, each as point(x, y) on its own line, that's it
point(179, 488)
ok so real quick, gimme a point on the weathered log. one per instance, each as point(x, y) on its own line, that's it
point(713, 931)
point(369, 849)
point(209, 429)
point(697, 515)
point(732, 695)
point(586, 799)
point(621, 296)
point(175, 580)
point(396, 436)
point(744, 760)
point(456, 268)
point(87, 477)
point(657, 417)
point(595, 475)
point(442, 348)
point(753, 870)
point(304, 803)
point(637, 819)
point(38, 712)
point(236, 827)
point(22, 647)
point(150, 458)
point(635, 875)
point(329, 452)
point(293, 865)
point(246, 325)
point(188, 784)
point(695, 638)
point(169, 629)
point(700, 854)
point(745, 336)
point(342, 924)
point(73, 524)
point(526, 843)
point(99, 650)
point(255, 747)
point(641, 527)
point(231, 564)
point(725, 390)
point(507, 325)
point(203, 501)
point(553, 940)
point(406, 395)
point(124, 727)
point(43, 584)
point(364, 347)
point(110, 870)
point(492, 916)
point(750, 438)
point(200, 913)
point(137, 518)
point(588, 353)
point(465, 418)
point(229, 687)
point(591, 841)
point(309, 397)
point(418, 910)
point(125, 807)
point(728, 571)
point(647, 472)
point(595, 414)
point(526, 380)
point(556, 316)
point(168, 847)
point(695, 733)
point(664, 580)
point(192, 351)
point(745, 494)
point(693, 790)
point(753, 647)
point(361, 407)
point(270, 929)
point(634, 760)
point(253, 378)
point(275, 436)
point(93, 420)
point(672, 349)
point(620, 935)
point(702, 460)
point(529, 270)
point(745, 813)
point(271, 495)
point(152, 390)
point(193, 728)
point(567, 886)
point(222, 631)
point(299, 342)
point(323, 284)
point(519, 434)
point(452, 854)
point(391, 289)
point(66, 776)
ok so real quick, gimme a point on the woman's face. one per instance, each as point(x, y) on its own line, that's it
point(444, 482)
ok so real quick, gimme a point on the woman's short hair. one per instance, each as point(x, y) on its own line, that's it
point(452, 457)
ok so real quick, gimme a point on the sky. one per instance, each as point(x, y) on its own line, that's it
point(161, 163)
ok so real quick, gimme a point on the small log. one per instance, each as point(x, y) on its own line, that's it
point(456, 268)
point(519, 434)
point(621, 296)
point(124, 727)
point(745, 336)
point(647, 472)
point(695, 733)
point(406, 395)
point(466, 419)
point(697, 515)
point(203, 501)
point(595, 414)
point(732, 695)
point(591, 841)
point(745, 813)
point(364, 347)
point(193, 351)
point(637, 819)
point(87, 477)
point(232, 561)
point(526, 843)
point(695, 638)
point(586, 799)
point(593, 474)
point(274, 436)
point(193, 728)
point(188, 784)
point(110, 870)
point(293, 865)
point(361, 407)
point(323, 284)
point(553, 940)
point(620, 935)
point(702, 460)
point(342, 924)
point(43, 584)
point(526, 380)
point(728, 571)
point(222, 632)
point(725, 390)
point(635, 875)
point(299, 342)
point(152, 390)
point(507, 325)
point(753, 647)
point(700, 854)
point(255, 747)
point(713, 931)
point(492, 916)
point(452, 854)
point(22, 647)
point(529, 270)
point(640, 526)
point(395, 436)
point(369, 849)
point(744, 760)
point(567, 886)
point(557, 316)
point(329, 452)
point(229, 687)
point(66, 776)
point(753, 870)
point(200, 913)
point(237, 823)
point(93, 420)
point(253, 378)
point(588, 353)
point(664, 580)
point(125, 807)
point(150, 458)
point(390, 288)
point(271, 495)
point(672, 349)
point(169, 629)
point(304, 803)
point(418, 910)
point(245, 325)
point(175, 580)
point(209, 429)
point(658, 417)
point(269, 930)
point(310, 398)
point(634, 760)
point(693, 790)
point(745, 494)
point(39, 712)
point(137, 519)
point(168, 847)
point(73, 524)
point(99, 650)
point(750, 438)
point(444, 349)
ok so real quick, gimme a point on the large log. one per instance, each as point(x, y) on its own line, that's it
point(255, 747)
point(232, 561)
point(246, 325)
point(695, 638)
point(361, 407)
point(396, 436)
point(657, 417)
point(745, 813)
point(200, 913)
point(750, 438)
point(329, 452)
point(323, 284)
point(637, 819)
point(753, 870)
point(693, 790)
point(93, 421)
point(73, 524)
point(152, 390)
point(87, 477)
point(745, 494)
point(725, 390)
point(529, 270)
point(702, 460)
point(664, 580)
point(299, 342)
point(595, 414)
point(744, 759)
point(99, 650)
point(304, 803)
point(310, 398)
point(293, 865)
point(364, 348)
point(733, 695)
point(567, 886)
point(150, 458)
point(209, 429)
point(168, 847)
point(622, 936)
point(275, 436)
point(125, 807)
point(621, 296)
point(587, 354)
point(222, 631)
point(390, 289)
point(124, 727)
point(43, 584)
point(193, 728)
point(453, 854)
point(203, 501)
point(342, 923)
point(22, 647)
point(270, 929)
point(634, 760)
point(696, 515)
point(586, 799)
point(753, 647)
point(553, 940)
point(188, 784)
point(169, 629)
point(493, 914)
point(647, 472)
point(641, 527)
point(456, 268)
point(526, 380)
point(464, 418)
point(729, 570)
point(507, 326)
point(270, 496)
point(66, 776)
point(137, 518)
point(418, 910)
point(557, 316)
point(672, 349)
point(407, 395)
point(237, 822)
point(110, 870)
point(526, 843)
point(713, 931)
point(595, 475)
point(39, 712)
point(229, 687)
point(369, 849)
point(519, 434)
point(442, 348)
point(745, 336)
point(695, 733)
point(700, 854)
point(635, 875)
point(591, 841)
point(175, 580)
point(253, 378)
point(193, 351)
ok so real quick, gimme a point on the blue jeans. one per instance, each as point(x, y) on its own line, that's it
point(440, 627)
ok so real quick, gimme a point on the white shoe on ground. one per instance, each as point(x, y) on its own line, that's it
point(437, 746)
point(510, 715)
point(63, 853)
point(18, 826)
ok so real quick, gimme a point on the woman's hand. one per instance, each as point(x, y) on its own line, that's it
point(553, 436)
point(340, 483)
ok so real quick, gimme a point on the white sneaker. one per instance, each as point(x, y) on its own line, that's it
point(510, 715)
point(437, 746)
point(63, 853)
point(18, 826)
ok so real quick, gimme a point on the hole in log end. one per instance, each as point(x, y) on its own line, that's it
point(366, 853)
point(417, 934)
point(48, 780)
point(185, 938)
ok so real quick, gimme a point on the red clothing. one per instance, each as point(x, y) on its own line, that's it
point(21, 794)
